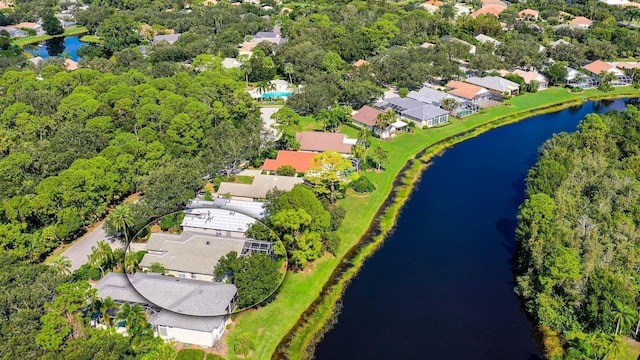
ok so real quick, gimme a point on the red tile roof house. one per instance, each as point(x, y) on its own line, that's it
point(300, 160)
point(581, 21)
point(478, 95)
point(528, 14)
point(366, 118)
point(320, 141)
point(598, 66)
point(491, 9)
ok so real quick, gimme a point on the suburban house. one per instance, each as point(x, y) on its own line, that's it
point(258, 189)
point(194, 255)
point(366, 118)
point(576, 78)
point(487, 39)
point(478, 95)
point(313, 141)
point(254, 209)
point(360, 62)
point(529, 76)
point(495, 84)
point(598, 66)
point(14, 32)
point(184, 296)
point(71, 65)
point(420, 113)
point(461, 9)
point(491, 9)
point(431, 6)
point(35, 60)
point(217, 221)
point(300, 160)
point(274, 37)
point(528, 14)
point(435, 97)
point(32, 26)
point(581, 21)
point(427, 45)
point(170, 38)
point(229, 63)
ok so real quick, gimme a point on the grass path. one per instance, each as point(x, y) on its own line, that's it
point(270, 324)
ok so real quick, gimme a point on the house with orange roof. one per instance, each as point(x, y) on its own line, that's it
point(477, 95)
point(70, 64)
point(597, 67)
point(30, 25)
point(530, 76)
point(490, 9)
point(360, 63)
point(581, 21)
point(432, 5)
point(528, 14)
point(300, 160)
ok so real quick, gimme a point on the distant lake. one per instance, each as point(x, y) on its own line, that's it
point(57, 46)
point(442, 285)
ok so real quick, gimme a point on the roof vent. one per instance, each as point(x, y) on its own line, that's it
point(208, 242)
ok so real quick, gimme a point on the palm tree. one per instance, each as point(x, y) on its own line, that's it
point(623, 315)
point(380, 155)
point(130, 262)
point(105, 306)
point(102, 256)
point(135, 317)
point(288, 69)
point(385, 119)
point(62, 265)
point(245, 67)
point(121, 220)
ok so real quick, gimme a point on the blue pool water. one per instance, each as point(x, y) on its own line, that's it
point(57, 46)
point(276, 94)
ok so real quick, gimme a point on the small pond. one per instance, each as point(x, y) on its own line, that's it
point(57, 46)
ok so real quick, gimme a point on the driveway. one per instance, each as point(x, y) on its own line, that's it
point(79, 251)
point(265, 114)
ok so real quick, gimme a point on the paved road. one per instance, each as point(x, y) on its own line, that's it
point(79, 251)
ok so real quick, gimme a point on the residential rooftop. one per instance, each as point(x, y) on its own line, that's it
point(494, 83)
point(216, 219)
point(255, 209)
point(260, 186)
point(300, 160)
point(367, 115)
point(324, 141)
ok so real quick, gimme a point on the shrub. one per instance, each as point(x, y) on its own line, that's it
point(362, 185)
point(286, 170)
point(403, 92)
point(190, 354)
point(172, 221)
point(86, 272)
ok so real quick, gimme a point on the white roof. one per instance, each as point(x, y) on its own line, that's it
point(255, 209)
point(217, 219)
point(229, 63)
point(484, 38)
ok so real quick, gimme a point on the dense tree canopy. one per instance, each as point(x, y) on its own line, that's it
point(578, 229)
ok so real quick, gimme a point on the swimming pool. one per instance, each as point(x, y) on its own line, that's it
point(276, 94)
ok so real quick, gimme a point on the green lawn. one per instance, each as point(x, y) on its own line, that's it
point(91, 39)
point(270, 324)
point(36, 39)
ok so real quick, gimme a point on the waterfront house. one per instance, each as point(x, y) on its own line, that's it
point(183, 296)
point(366, 118)
point(258, 189)
point(424, 115)
point(478, 95)
point(529, 76)
point(596, 68)
point(435, 97)
point(495, 84)
point(579, 79)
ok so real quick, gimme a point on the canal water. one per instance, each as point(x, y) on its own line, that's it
point(441, 287)
point(57, 46)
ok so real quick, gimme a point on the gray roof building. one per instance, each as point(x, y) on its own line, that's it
point(417, 111)
point(484, 39)
point(170, 38)
point(495, 83)
point(189, 252)
point(187, 300)
point(432, 96)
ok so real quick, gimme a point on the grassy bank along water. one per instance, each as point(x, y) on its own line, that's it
point(36, 39)
point(298, 315)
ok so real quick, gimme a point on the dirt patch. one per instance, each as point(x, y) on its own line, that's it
point(155, 228)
